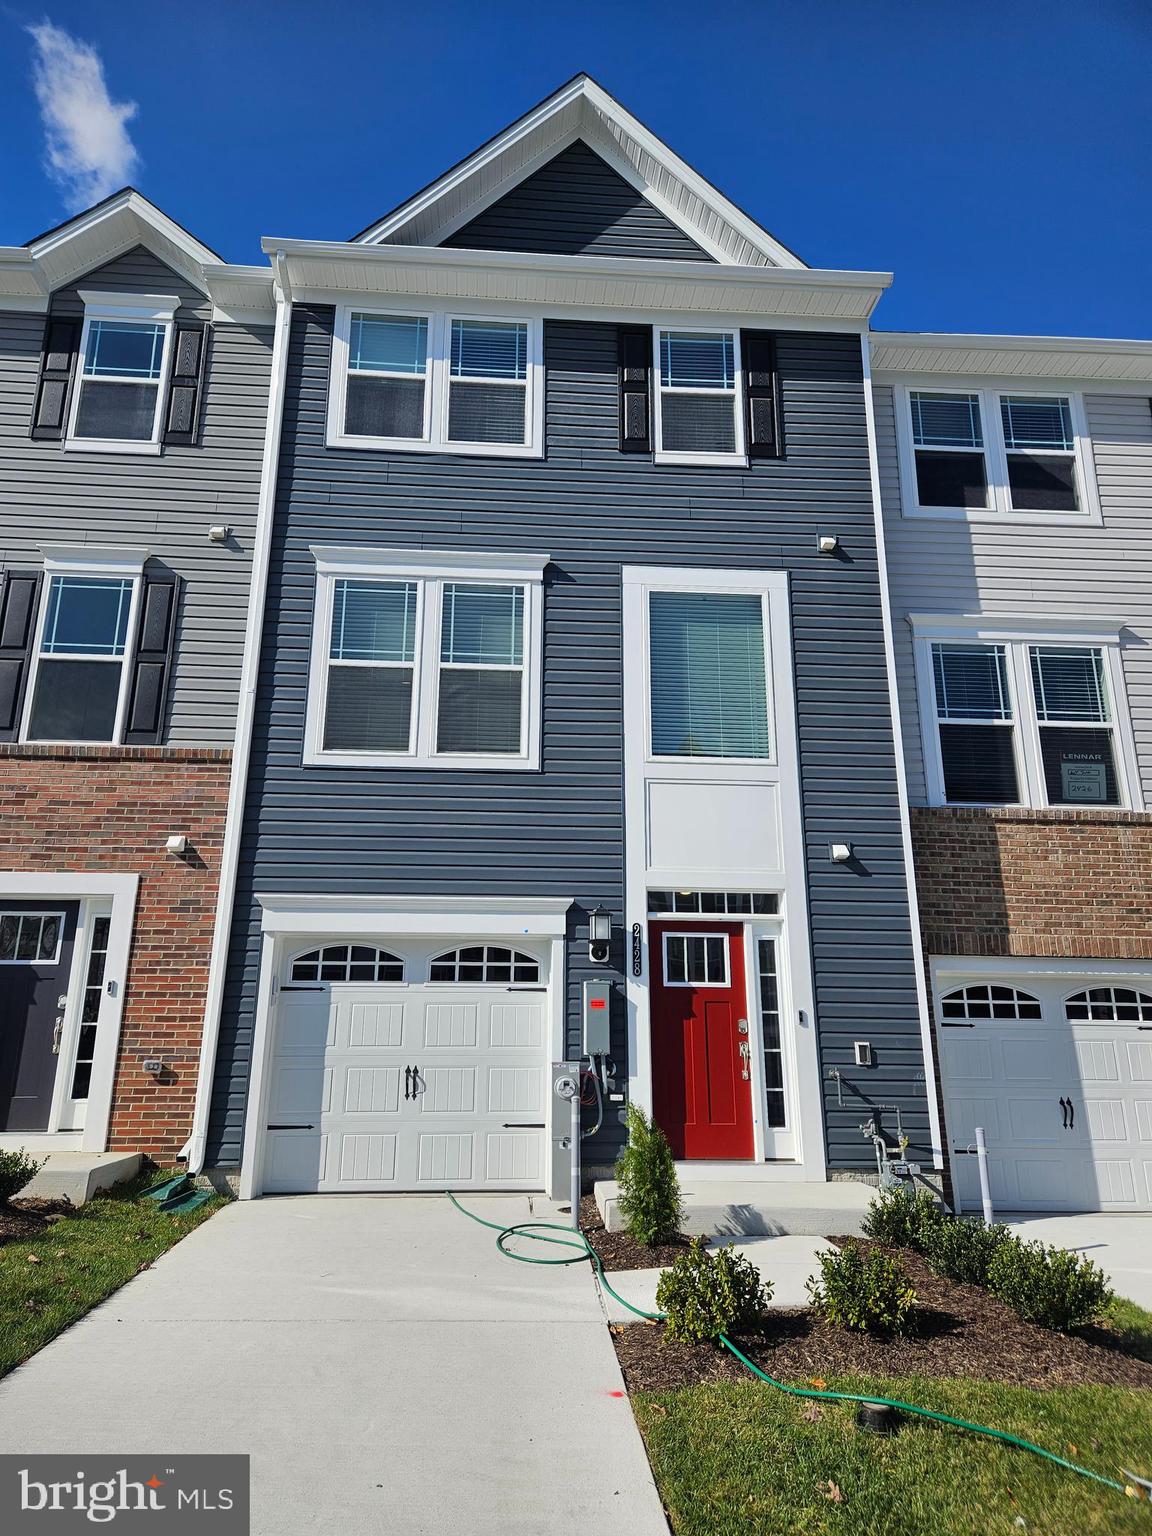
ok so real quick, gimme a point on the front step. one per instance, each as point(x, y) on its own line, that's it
point(758, 1208)
point(76, 1176)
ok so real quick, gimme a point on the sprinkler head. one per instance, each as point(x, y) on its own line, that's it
point(877, 1418)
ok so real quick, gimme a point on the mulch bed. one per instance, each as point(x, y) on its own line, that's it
point(21, 1219)
point(963, 1331)
point(619, 1251)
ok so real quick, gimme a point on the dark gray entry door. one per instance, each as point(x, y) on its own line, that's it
point(36, 942)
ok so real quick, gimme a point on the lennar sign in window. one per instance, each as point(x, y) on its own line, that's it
point(187, 1495)
point(1084, 776)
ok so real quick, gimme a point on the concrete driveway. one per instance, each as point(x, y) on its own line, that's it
point(386, 1369)
point(1120, 1245)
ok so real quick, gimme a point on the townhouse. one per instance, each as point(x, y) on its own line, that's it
point(1016, 478)
point(134, 370)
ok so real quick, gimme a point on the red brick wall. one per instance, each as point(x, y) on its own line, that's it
point(1074, 883)
point(110, 809)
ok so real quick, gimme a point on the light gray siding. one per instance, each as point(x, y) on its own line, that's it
point(165, 503)
point(560, 832)
point(1036, 569)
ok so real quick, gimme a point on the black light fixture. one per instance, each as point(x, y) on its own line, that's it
point(599, 934)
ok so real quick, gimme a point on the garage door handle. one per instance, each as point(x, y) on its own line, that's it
point(1071, 1115)
point(522, 1125)
point(1064, 1111)
point(291, 1127)
point(407, 1081)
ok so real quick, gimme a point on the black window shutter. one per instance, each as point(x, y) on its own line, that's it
point(151, 661)
point(19, 593)
point(57, 362)
point(635, 372)
point(761, 395)
point(189, 350)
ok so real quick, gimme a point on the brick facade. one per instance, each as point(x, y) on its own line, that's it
point(1056, 883)
point(110, 809)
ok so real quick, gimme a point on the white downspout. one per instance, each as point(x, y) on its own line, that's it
point(901, 773)
point(196, 1145)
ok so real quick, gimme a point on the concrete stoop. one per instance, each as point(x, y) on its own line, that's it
point(758, 1208)
point(76, 1176)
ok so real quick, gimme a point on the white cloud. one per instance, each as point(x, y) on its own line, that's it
point(88, 148)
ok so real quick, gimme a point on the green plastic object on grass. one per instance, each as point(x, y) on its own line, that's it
point(535, 1231)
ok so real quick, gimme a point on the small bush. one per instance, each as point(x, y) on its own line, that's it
point(870, 1294)
point(962, 1249)
point(902, 1217)
point(16, 1170)
point(649, 1189)
point(706, 1294)
point(1049, 1286)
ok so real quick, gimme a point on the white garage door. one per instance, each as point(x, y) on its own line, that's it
point(418, 1086)
point(1059, 1074)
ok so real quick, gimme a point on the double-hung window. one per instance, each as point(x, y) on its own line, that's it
point(975, 452)
point(1016, 719)
point(699, 417)
point(708, 675)
point(426, 660)
point(436, 382)
point(118, 401)
point(78, 688)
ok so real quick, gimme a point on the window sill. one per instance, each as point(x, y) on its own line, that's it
point(456, 450)
point(1004, 519)
point(718, 460)
point(462, 762)
point(109, 445)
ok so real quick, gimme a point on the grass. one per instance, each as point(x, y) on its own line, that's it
point(50, 1280)
point(1134, 1325)
point(739, 1459)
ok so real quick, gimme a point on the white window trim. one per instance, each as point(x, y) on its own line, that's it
point(439, 317)
point(61, 560)
point(728, 938)
point(152, 308)
point(1017, 635)
point(995, 454)
point(430, 569)
point(664, 456)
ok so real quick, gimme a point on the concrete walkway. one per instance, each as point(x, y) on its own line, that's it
point(1120, 1245)
point(385, 1368)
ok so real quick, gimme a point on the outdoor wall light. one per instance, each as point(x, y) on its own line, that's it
point(177, 844)
point(840, 853)
point(599, 934)
point(219, 533)
point(828, 543)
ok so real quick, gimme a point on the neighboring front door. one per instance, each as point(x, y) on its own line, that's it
point(701, 1041)
point(36, 941)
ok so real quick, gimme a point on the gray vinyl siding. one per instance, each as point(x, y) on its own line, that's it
point(1040, 570)
point(559, 833)
point(165, 503)
point(577, 205)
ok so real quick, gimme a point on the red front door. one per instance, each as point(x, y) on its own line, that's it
point(701, 1093)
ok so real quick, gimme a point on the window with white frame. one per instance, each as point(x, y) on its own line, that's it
point(973, 450)
point(79, 681)
point(698, 410)
point(1017, 722)
point(118, 399)
point(435, 664)
point(708, 675)
point(436, 381)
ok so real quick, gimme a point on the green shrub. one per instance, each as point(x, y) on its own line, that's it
point(869, 1293)
point(649, 1189)
point(707, 1293)
point(16, 1170)
point(962, 1248)
point(902, 1217)
point(1049, 1286)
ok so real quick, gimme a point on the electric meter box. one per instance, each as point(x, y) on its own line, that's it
point(597, 1018)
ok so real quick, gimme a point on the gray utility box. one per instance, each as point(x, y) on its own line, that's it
point(560, 1181)
point(597, 1018)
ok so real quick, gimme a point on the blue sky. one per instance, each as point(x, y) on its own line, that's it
point(995, 156)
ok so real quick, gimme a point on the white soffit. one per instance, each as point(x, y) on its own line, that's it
point(583, 110)
point(1031, 357)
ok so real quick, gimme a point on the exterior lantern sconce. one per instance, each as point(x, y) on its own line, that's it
point(599, 934)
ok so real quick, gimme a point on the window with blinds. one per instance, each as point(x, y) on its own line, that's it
point(372, 656)
point(977, 733)
point(487, 392)
point(951, 467)
point(698, 407)
point(481, 669)
point(1072, 708)
point(709, 695)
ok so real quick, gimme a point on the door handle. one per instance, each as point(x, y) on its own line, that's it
point(1071, 1115)
point(417, 1087)
point(1064, 1112)
point(745, 1060)
point(57, 1031)
point(408, 1082)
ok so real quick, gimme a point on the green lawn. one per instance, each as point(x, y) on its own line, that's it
point(50, 1280)
point(739, 1459)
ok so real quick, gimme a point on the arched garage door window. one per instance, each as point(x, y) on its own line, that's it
point(347, 962)
point(989, 1002)
point(1110, 1005)
point(484, 962)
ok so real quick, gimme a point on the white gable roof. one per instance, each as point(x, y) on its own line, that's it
point(583, 110)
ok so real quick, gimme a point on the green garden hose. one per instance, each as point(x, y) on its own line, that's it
point(534, 1231)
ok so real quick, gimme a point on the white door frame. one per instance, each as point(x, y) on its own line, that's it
point(118, 892)
point(289, 921)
